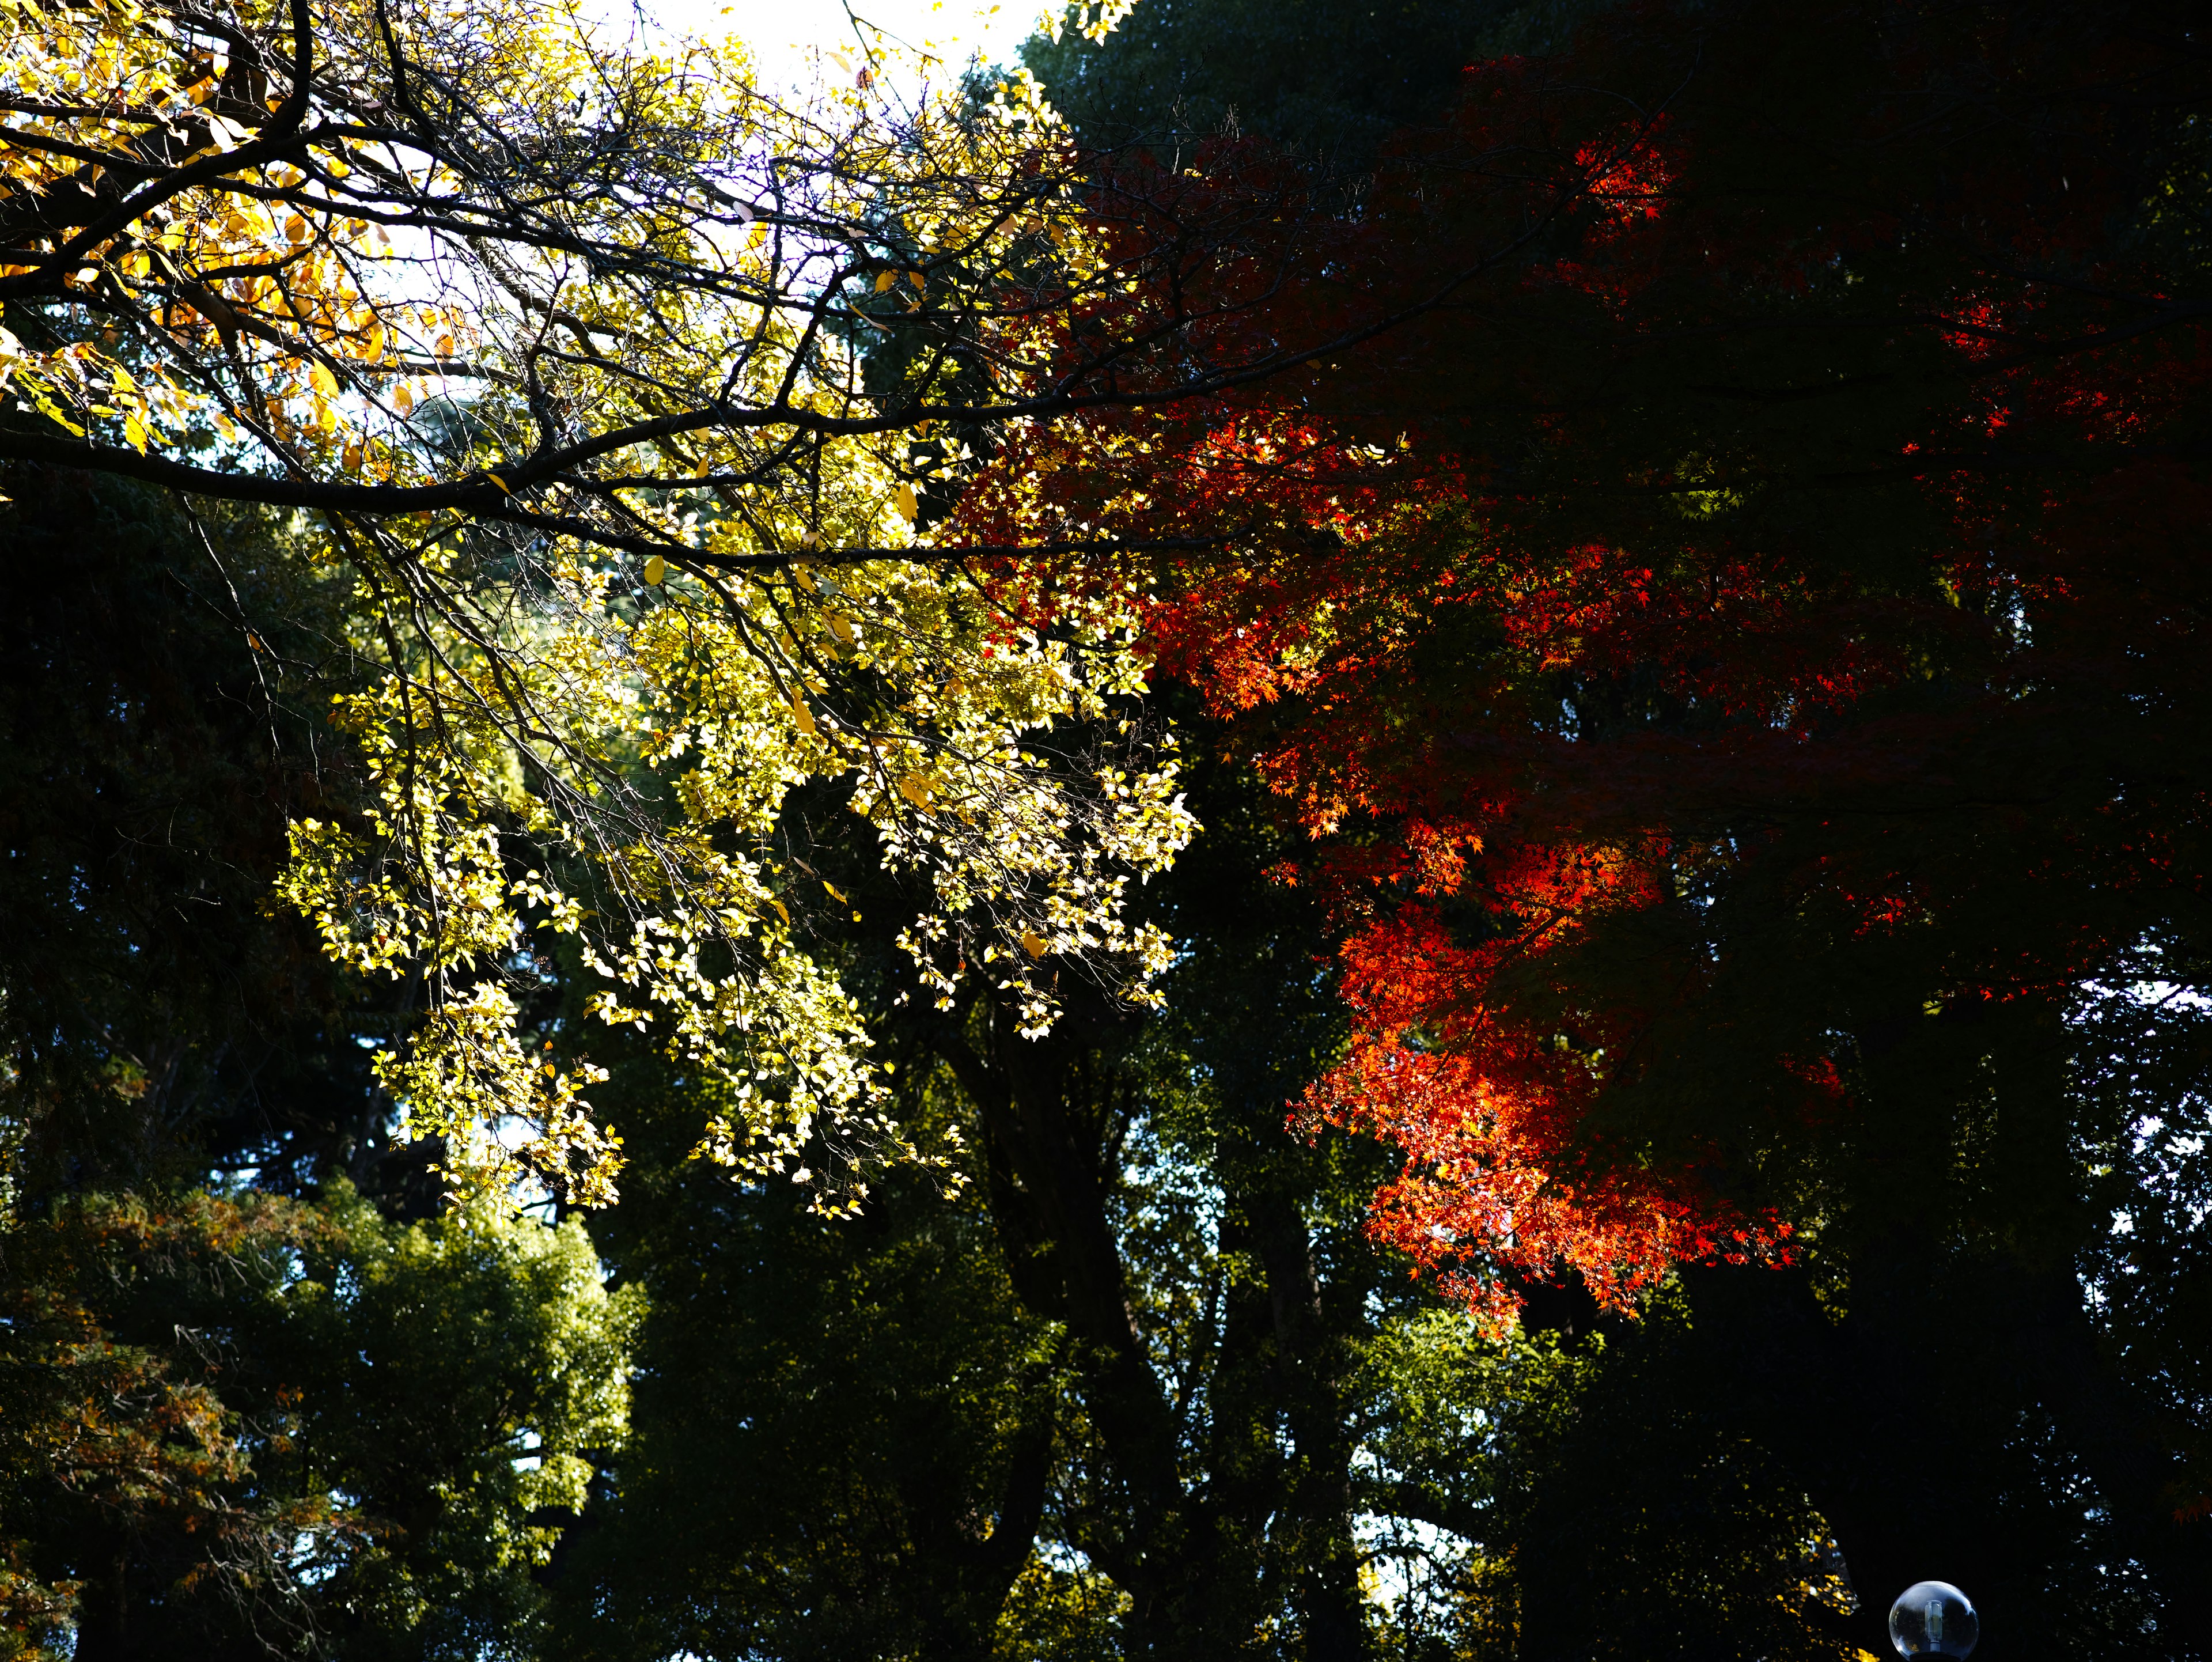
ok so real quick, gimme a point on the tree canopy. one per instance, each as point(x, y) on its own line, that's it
point(1739, 658)
point(568, 351)
point(1322, 834)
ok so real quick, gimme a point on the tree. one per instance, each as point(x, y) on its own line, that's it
point(252, 1422)
point(843, 1431)
point(158, 727)
point(1742, 653)
point(1336, 81)
point(1044, 1414)
point(1140, 1387)
point(558, 343)
point(250, 1426)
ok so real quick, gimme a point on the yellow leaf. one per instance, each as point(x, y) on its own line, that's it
point(320, 378)
point(404, 396)
point(907, 505)
point(839, 625)
point(884, 279)
point(295, 229)
point(915, 790)
point(803, 716)
point(501, 482)
point(1034, 944)
point(833, 893)
point(782, 911)
point(655, 569)
point(352, 459)
point(917, 279)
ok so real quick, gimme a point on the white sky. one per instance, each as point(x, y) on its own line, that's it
point(781, 32)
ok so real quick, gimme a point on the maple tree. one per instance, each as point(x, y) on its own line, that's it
point(1742, 658)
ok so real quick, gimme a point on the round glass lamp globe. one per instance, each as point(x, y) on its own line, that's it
point(1933, 1618)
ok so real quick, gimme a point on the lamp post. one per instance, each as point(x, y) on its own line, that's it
point(1933, 1618)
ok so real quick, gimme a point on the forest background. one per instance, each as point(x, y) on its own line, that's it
point(1390, 844)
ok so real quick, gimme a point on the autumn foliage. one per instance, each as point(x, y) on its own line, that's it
point(1741, 616)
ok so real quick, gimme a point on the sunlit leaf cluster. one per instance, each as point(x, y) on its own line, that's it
point(573, 354)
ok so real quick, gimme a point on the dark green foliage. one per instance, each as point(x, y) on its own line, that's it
point(843, 1429)
point(1097, 1403)
point(1333, 78)
point(248, 1425)
point(1632, 1516)
point(256, 1426)
point(155, 1016)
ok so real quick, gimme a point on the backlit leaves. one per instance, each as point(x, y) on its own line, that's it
point(521, 315)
